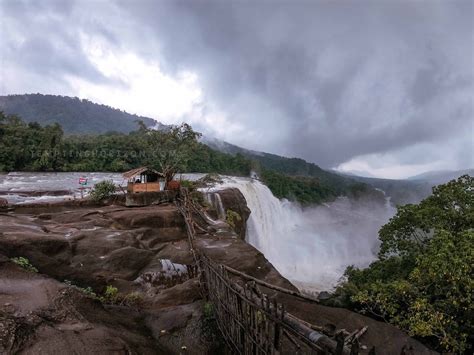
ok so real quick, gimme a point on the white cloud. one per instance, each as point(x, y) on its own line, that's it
point(416, 159)
point(143, 88)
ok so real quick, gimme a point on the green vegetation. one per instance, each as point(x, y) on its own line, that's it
point(88, 291)
point(110, 296)
point(308, 190)
point(423, 280)
point(24, 263)
point(171, 149)
point(31, 147)
point(231, 217)
point(102, 190)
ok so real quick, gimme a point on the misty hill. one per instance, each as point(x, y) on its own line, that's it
point(76, 116)
point(287, 177)
point(401, 192)
point(441, 176)
point(413, 189)
point(287, 166)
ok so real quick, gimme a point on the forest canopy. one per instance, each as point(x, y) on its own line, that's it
point(33, 147)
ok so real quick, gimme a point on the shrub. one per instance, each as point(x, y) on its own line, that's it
point(88, 291)
point(132, 299)
point(110, 295)
point(231, 217)
point(24, 263)
point(102, 190)
point(188, 184)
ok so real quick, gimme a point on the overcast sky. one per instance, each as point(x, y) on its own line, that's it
point(384, 87)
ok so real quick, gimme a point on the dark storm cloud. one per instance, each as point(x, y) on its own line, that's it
point(42, 38)
point(342, 79)
point(324, 80)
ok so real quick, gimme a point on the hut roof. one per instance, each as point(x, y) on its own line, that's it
point(134, 172)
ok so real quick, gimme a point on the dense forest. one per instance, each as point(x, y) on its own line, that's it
point(33, 147)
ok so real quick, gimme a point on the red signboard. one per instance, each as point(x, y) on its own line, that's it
point(83, 181)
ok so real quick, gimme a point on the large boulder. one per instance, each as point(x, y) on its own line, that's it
point(232, 199)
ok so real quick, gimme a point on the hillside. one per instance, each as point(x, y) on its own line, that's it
point(401, 192)
point(76, 116)
point(413, 189)
point(288, 177)
point(291, 178)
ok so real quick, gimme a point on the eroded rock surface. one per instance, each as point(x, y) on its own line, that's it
point(39, 315)
point(140, 251)
point(232, 199)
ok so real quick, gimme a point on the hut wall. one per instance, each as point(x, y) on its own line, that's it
point(146, 187)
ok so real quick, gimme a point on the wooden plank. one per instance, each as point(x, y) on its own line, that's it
point(266, 284)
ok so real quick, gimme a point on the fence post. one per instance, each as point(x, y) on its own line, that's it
point(355, 347)
point(340, 343)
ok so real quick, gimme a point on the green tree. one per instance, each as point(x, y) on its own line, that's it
point(423, 280)
point(171, 149)
point(102, 190)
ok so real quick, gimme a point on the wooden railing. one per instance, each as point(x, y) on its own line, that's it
point(249, 320)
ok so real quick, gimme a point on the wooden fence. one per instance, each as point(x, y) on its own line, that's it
point(251, 322)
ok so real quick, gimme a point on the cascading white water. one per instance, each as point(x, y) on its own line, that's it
point(215, 200)
point(219, 206)
point(310, 246)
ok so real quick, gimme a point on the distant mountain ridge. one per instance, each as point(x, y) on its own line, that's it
point(76, 116)
point(413, 189)
point(441, 176)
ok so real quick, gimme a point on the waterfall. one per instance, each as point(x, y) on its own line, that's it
point(310, 246)
point(215, 200)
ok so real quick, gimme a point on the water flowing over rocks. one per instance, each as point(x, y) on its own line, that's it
point(311, 246)
point(230, 199)
point(140, 251)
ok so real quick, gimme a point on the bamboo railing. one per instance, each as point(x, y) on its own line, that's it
point(249, 320)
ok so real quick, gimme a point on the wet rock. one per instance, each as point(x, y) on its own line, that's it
point(126, 263)
point(324, 295)
point(232, 199)
point(152, 216)
point(3, 203)
point(48, 317)
point(149, 198)
point(97, 246)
